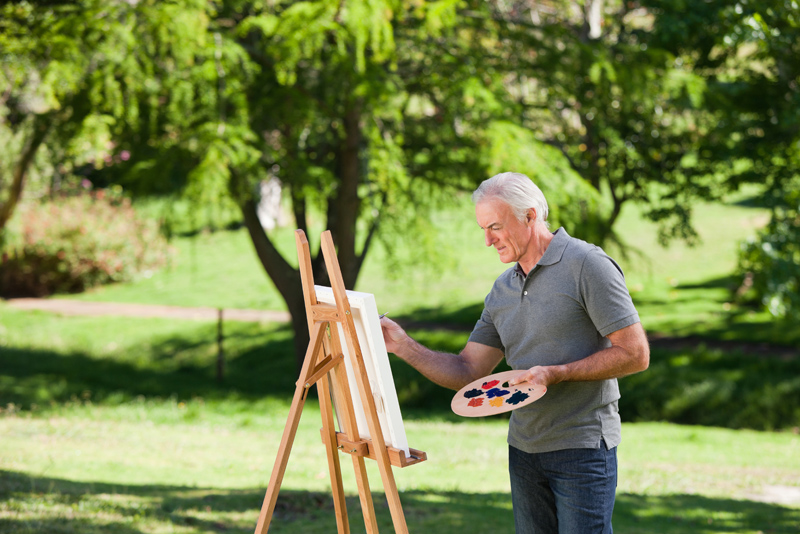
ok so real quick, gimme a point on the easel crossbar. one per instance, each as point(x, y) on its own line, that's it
point(364, 447)
point(322, 369)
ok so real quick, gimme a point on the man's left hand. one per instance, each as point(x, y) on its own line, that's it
point(541, 375)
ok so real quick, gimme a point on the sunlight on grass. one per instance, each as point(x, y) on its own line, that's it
point(217, 270)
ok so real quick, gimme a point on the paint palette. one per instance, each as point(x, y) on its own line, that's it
point(491, 395)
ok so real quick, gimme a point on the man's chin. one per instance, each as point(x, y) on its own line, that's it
point(505, 257)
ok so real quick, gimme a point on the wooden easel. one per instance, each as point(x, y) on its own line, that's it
point(324, 366)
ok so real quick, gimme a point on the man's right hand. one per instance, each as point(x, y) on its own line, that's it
point(393, 335)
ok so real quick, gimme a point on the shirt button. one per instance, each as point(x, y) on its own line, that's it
point(524, 292)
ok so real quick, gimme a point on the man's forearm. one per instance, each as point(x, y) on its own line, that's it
point(629, 353)
point(613, 362)
point(445, 369)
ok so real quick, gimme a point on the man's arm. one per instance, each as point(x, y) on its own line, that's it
point(629, 353)
point(452, 371)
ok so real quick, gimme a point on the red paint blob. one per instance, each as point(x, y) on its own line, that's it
point(490, 385)
point(475, 402)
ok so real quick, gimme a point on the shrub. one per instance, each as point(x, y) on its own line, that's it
point(709, 387)
point(78, 242)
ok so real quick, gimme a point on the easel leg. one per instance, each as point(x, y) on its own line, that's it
point(348, 421)
point(289, 432)
point(367, 507)
point(276, 477)
point(329, 432)
point(393, 498)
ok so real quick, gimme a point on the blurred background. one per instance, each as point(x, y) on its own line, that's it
point(157, 156)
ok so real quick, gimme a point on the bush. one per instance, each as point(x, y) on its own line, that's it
point(709, 387)
point(78, 242)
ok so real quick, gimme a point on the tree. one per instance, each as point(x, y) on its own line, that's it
point(342, 102)
point(595, 80)
point(369, 115)
point(748, 54)
point(370, 112)
point(77, 75)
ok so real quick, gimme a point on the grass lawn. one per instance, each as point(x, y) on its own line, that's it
point(125, 429)
point(175, 467)
point(115, 425)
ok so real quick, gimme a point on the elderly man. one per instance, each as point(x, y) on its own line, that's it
point(563, 316)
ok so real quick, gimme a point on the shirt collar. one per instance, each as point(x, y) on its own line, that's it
point(553, 253)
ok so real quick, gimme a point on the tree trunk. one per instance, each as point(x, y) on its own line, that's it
point(285, 277)
point(41, 125)
point(343, 212)
point(347, 204)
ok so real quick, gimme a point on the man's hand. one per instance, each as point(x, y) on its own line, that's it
point(540, 376)
point(393, 335)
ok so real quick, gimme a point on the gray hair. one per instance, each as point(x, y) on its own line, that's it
point(516, 190)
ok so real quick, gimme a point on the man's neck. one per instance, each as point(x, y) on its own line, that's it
point(538, 246)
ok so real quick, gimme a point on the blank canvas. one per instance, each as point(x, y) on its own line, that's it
point(376, 361)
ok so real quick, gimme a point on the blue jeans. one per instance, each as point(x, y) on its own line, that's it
point(566, 492)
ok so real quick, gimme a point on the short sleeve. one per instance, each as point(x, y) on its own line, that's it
point(605, 295)
point(485, 332)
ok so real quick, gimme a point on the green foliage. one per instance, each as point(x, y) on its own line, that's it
point(750, 53)
point(621, 109)
point(86, 81)
point(770, 263)
point(573, 202)
point(77, 243)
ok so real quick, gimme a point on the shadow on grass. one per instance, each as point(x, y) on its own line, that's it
point(175, 367)
point(695, 384)
point(700, 515)
point(181, 364)
point(744, 323)
point(39, 504)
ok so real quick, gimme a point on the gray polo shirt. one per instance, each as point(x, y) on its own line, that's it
point(560, 313)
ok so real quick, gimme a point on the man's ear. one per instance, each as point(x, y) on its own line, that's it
point(530, 217)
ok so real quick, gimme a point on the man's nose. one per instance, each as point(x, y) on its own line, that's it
point(489, 238)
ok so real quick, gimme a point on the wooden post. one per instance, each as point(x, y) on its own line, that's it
point(220, 349)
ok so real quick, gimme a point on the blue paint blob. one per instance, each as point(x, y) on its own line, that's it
point(496, 392)
point(517, 397)
point(473, 393)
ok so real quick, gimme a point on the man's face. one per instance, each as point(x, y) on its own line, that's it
point(502, 230)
